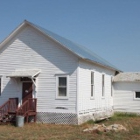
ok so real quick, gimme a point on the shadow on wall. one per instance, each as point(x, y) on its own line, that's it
point(12, 89)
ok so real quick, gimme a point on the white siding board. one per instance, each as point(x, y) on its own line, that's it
point(31, 50)
point(124, 96)
point(98, 103)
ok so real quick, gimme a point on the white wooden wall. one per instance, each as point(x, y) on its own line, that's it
point(124, 96)
point(32, 50)
point(85, 103)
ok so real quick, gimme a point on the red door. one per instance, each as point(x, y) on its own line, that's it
point(26, 91)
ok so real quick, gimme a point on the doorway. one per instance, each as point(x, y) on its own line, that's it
point(27, 89)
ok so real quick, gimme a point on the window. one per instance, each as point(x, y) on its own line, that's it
point(111, 87)
point(103, 85)
point(92, 84)
point(0, 85)
point(62, 87)
point(137, 95)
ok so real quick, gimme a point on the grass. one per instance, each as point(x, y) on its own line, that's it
point(69, 132)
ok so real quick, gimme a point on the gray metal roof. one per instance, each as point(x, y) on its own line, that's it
point(127, 77)
point(77, 49)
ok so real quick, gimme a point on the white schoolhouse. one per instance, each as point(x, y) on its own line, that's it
point(68, 83)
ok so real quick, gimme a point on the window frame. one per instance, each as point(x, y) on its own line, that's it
point(57, 87)
point(135, 95)
point(92, 85)
point(103, 85)
point(111, 86)
point(1, 85)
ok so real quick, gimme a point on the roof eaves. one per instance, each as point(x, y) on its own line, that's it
point(102, 65)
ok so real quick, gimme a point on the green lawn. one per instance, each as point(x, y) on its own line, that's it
point(66, 132)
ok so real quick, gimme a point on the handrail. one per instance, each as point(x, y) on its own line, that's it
point(4, 109)
point(22, 109)
point(32, 104)
point(8, 106)
point(28, 106)
point(13, 104)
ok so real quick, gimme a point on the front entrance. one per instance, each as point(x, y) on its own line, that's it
point(27, 89)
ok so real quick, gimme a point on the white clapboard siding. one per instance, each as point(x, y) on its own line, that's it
point(124, 96)
point(86, 103)
point(30, 49)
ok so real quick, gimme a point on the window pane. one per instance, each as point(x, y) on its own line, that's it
point(111, 88)
point(137, 94)
point(62, 81)
point(103, 91)
point(92, 77)
point(62, 91)
point(91, 90)
point(103, 80)
point(0, 86)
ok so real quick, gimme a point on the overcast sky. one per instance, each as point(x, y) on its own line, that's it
point(110, 28)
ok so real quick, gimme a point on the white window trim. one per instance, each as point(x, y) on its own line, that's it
point(93, 97)
point(67, 93)
point(103, 87)
point(138, 99)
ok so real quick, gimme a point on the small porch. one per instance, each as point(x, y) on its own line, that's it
point(9, 110)
point(26, 104)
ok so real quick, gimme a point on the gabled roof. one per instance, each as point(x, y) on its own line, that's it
point(127, 77)
point(75, 48)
